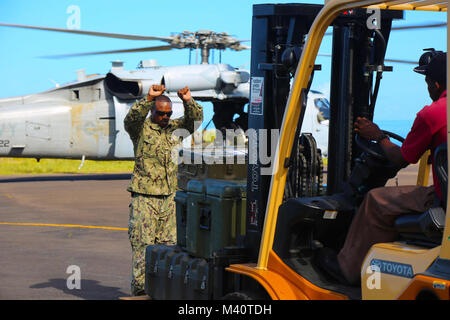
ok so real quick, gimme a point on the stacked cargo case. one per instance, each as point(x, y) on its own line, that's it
point(211, 216)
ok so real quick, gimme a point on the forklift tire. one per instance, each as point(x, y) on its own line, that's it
point(427, 294)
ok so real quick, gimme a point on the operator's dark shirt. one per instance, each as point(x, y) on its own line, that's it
point(429, 130)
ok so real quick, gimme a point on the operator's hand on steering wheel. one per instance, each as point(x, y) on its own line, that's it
point(367, 129)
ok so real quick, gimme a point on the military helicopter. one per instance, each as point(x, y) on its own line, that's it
point(84, 119)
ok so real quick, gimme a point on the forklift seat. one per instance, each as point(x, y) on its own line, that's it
point(427, 228)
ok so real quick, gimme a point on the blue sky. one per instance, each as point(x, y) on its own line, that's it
point(402, 92)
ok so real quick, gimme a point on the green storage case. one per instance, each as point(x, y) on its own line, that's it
point(197, 284)
point(172, 274)
point(157, 264)
point(176, 276)
point(216, 215)
point(229, 164)
point(181, 213)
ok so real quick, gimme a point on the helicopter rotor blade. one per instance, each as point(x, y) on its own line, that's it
point(145, 49)
point(90, 33)
point(201, 38)
point(420, 26)
point(423, 26)
point(402, 61)
point(388, 60)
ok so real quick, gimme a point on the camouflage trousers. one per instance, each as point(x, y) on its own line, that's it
point(152, 221)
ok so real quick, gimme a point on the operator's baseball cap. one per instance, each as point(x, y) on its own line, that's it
point(434, 65)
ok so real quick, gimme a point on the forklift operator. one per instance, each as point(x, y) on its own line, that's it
point(374, 221)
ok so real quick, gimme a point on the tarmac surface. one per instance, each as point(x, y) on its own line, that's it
point(45, 228)
point(55, 228)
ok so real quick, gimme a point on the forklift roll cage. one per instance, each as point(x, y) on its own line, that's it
point(278, 279)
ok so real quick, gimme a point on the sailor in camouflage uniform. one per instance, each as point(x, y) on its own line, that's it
point(154, 181)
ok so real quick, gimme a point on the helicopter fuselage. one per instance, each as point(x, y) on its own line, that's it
point(85, 118)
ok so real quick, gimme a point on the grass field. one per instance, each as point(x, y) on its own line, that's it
point(10, 166)
point(46, 166)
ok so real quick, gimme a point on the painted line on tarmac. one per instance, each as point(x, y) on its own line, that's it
point(61, 226)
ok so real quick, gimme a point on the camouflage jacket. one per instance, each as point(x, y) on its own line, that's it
point(154, 171)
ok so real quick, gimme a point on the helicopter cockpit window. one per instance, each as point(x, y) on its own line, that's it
point(324, 109)
point(75, 95)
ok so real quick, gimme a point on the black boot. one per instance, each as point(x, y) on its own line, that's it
point(327, 262)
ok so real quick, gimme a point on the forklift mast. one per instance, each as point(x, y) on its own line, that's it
point(278, 34)
point(356, 69)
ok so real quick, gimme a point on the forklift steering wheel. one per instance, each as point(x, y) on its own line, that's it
point(374, 148)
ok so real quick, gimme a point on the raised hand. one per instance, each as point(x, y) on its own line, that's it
point(185, 94)
point(155, 91)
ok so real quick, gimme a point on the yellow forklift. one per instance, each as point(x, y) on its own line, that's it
point(252, 230)
point(415, 267)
